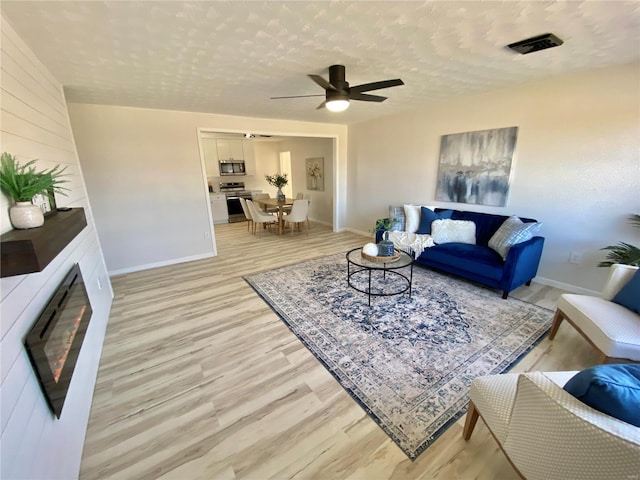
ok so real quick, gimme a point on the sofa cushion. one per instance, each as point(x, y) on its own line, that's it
point(396, 215)
point(629, 295)
point(611, 389)
point(427, 216)
point(412, 218)
point(512, 231)
point(450, 231)
point(462, 256)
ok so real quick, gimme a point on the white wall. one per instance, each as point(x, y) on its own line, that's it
point(145, 180)
point(321, 207)
point(35, 125)
point(576, 165)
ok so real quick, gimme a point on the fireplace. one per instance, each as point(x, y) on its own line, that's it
point(54, 341)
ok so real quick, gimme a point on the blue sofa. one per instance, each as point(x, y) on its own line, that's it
point(479, 262)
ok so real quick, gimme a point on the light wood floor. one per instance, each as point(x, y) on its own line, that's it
point(199, 379)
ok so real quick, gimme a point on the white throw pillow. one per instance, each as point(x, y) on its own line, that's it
point(411, 218)
point(512, 231)
point(448, 231)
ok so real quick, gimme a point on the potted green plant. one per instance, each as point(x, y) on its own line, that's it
point(385, 247)
point(278, 180)
point(623, 252)
point(20, 182)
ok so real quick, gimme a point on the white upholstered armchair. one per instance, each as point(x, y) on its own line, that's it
point(611, 328)
point(548, 434)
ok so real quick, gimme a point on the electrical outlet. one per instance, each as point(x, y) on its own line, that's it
point(575, 257)
point(207, 235)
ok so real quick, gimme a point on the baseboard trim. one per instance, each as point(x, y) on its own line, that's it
point(565, 286)
point(165, 263)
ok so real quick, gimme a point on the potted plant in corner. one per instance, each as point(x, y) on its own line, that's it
point(21, 182)
point(624, 253)
point(278, 180)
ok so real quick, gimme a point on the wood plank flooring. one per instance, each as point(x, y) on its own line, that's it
point(199, 379)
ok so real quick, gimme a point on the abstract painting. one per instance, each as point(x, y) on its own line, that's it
point(475, 167)
point(315, 174)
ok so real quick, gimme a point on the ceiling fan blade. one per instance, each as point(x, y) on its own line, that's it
point(365, 87)
point(365, 97)
point(322, 82)
point(322, 105)
point(297, 96)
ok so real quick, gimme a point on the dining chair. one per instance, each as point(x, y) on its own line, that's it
point(260, 217)
point(247, 214)
point(298, 214)
point(258, 196)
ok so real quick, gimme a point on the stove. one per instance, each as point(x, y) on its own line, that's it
point(234, 191)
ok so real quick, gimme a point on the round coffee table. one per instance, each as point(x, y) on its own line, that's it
point(379, 278)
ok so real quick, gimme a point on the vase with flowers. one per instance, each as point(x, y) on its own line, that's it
point(21, 182)
point(278, 180)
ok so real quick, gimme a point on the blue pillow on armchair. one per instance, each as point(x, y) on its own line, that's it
point(629, 295)
point(427, 216)
point(610, 389)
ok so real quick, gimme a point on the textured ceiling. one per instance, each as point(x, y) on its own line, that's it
point(230, 57)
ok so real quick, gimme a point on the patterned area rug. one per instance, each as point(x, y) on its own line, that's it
point(408, 362)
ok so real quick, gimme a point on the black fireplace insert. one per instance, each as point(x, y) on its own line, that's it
point(54, 341)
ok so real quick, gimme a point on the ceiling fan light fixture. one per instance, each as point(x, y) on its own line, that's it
point(337, 105)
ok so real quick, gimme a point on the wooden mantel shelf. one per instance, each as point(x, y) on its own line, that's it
point(29, 251)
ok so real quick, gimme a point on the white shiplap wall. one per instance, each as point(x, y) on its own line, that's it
point(35, 125)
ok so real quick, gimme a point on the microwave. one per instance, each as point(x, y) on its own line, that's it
point(232, 167)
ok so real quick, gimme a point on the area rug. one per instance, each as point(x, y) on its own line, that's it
point(408, 362)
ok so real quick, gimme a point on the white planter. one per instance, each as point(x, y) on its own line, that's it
point(26, 215)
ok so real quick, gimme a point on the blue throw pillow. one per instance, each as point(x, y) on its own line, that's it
point(427, 216)
point(611, 389)
point(629, 295)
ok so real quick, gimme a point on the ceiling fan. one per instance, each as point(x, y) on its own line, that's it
point(338, 93)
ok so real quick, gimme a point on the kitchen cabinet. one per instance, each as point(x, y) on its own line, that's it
point(230, 149)
point(219, 211)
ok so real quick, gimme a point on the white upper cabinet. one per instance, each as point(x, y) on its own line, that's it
point(230, 149)
point(210, 152)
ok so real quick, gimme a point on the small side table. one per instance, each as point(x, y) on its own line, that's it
point(357, 266)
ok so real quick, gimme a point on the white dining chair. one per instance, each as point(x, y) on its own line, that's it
point(247, 214)
point(259, 217)
point(298, 214)
point(259, 196)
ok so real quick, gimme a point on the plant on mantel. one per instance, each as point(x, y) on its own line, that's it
point(20, 182)
point(624, 253)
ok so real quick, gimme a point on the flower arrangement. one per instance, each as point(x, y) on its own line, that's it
point(314, 171)
point(277, 180)
point(22, 182)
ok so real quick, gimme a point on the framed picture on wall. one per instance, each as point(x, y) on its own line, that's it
point(315, 174)
point(475, 167)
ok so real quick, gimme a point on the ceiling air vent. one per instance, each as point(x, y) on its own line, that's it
point(534, 44)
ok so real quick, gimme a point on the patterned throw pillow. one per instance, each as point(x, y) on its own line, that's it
point(512, 231)
point(448, 231)
point(398, 214)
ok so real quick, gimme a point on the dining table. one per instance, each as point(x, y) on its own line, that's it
point(266, 203)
